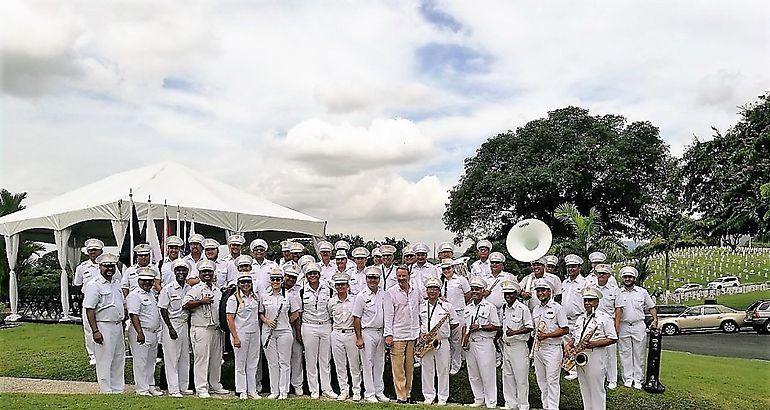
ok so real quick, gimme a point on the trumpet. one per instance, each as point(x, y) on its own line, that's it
point(537, 342)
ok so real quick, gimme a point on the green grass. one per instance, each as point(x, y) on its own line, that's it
point(738, 301)
point(692, 381)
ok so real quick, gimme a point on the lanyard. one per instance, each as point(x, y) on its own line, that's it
point(430, 313)
point(585, 326)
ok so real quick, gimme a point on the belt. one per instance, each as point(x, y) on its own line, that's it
point(315, 322)
point(114, 322)
point(344, 330)
point(378, 329)
point(631, 323)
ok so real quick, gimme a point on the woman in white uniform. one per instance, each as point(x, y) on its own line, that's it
point(243, 321)
point(277, 312)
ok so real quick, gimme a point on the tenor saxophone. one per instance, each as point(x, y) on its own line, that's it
point(537, 342)
point(424, 346)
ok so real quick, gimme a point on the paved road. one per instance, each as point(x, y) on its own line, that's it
point(749, 345)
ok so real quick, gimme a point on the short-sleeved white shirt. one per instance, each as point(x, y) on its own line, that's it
point(454, 290)
point(144, 305)
point(341, 312)
point(368, 307)
point(171, 298)
point(246, 314)
point(634, 303)
point(130, 279)
point(105, 298)
point(272, 303)
point(483, 313)
point(431, 315)
point(204, 315)
point(554, 318)
point(515, 317)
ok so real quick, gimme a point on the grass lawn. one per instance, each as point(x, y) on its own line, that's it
point(692, 381)
point(738, 301)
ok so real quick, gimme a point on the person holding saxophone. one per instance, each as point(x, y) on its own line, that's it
point(594, 331)
point(437, 318)
point(481, 326)
point(549, 318)
point(277, 313)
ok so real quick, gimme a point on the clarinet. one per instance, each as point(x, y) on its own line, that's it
point(275, 324)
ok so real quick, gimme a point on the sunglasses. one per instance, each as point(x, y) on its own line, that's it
point(276, 279)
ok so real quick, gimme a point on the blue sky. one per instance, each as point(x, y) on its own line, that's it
point(361, 115)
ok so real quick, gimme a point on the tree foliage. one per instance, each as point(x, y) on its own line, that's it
point(570, 156)
point(723, 176)
point(588, 236)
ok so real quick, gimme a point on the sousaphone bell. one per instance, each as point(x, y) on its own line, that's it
point(529, 240)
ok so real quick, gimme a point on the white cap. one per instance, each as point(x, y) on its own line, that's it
point(196, 238)
point(573, 259)
point(484, 244)
point(258, 242)
point(551, 260)
point(180, 263)
point(312, 267)
point(496, 257)
point(244, 277)
point(297, 247)
point(174, 240)
point(325, 246)
point(304, 260)
point(342, 245)
point(276, 273)
point(603, 268)
point(243, 260)
point(340, 254)
point(210, 243)
point(540, 261)
point(291, 269)
point(371, 271)
point(142, 249)
point(542, 284)
point(387, 250)
point(236, 239)
point(510, 286)
point(360, 252)
point(340, 278)
point(432, 283)
point(597, 257)
point(206, 264)
point(447, 263)
point(376, 252)
point(477, 282)
point(629, 271)
point(145, 273)
point(107, 259)
point(408, 250)
point(93, 243)
point(589, 292)
point(421, 248)
point(446, 247)
point(285, 246)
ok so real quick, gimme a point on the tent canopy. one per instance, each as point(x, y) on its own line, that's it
point(89, 209)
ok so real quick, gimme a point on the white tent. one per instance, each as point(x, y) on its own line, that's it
point(101, 210)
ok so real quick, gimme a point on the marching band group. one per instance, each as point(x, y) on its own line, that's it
point(299, 314)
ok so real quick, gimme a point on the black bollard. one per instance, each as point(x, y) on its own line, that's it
point(652, 383)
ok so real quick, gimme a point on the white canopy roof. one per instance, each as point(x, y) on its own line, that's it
point(90, 209)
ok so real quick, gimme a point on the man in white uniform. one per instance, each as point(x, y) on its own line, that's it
point(315, 331)
point(104, 305)
point(630, 305)
point(527, 283)
point(84, 273)
point(572, 296)
point(607, 305)
point(481, 324)
point(516, 323)
point(235, 244)
point(175, 332)
point(174, 244)
point(130, 279)
point(388, 268)
point(196, 253)
point(550, 326)
point(457, 291)
point(494, 291)
point(142, 307)
point(343, 339)
point(437, 318)
point(482, 266)
point(368, 322)
point(260, 266)
point(422, 270)
point(597, 258)
point(357, 281)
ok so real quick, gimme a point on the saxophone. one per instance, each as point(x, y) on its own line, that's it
point(537, 342)
point(424, 346)
point(576, 355)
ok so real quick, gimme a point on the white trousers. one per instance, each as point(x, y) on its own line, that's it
point(515, 375)
point(456, 345)
point(296, 363)
point(110, 358)
point(246, 362)
point(176, 358)
point(143, 358)
point(547, 369)
point(278, 354)
point(611, 363)
point(316, 339)
point(435, 364)
point(207, 357)
point(346, 356)
point(482, 373)
point(631, 347)
point(591, 379)
point(88, 336)
point(373, 362)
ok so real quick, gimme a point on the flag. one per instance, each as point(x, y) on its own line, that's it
point(152, 239)
point(132, 233)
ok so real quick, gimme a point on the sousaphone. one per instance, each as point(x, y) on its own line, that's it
point(529, 240)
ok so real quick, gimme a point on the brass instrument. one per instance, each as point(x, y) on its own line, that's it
point(272, 328)
point(461, 266)
point(207, 309)
point(424, 346)
point(529, 240)
point(537, 342)
point(576, 355)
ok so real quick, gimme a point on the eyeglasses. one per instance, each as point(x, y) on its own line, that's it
point(276, 279)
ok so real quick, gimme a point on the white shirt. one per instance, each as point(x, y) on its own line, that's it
point(246, 313)
point(515, 317)
point(634, 303)
point(357, 282)
point(402, 313)
point(167, 272)
point(495, 287)
point(144, 305)
point(260, 275)
point(193, 264)
point(341, 312)
point(481, 314)
point(84, 273)
point(554, 318)
point(609, 295)
point(204, 315)
point(272, 303)
point(388, 278)
point(315, 304)
point(481, 268)
point(454, 290)
point(105, 298)
point(604, 324)
point(170, 298)
point(419, 274)
point(431, 315)
point(572, 296)
point(130, 279)
point(368, 307)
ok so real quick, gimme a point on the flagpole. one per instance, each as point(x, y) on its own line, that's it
point(131, 227)
point(185, 237)
point(165, 227)
point(178, 232)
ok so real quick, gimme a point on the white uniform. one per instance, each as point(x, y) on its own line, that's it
point(193, 264)
point(591, 376)
point(145, 306)
point(436, 363)
point(480, 358)
point(388, 279)
point(176, 352)
point(481, 268)
point(278, 348)
point(260, 275)
point(454, 290)
point(327, 271)
point(368, 307)
point(247, 327)
point(206, 338)
point(357, 282)
point(343, 341)
point(632, 331)
point(419, 274)
point(607, 305)
point(316, 332)
point(528, 282)
point(130, 279)
point(549, 356)
point(297, 376)
point(106, 298)
point(167, 272)
point(515, 355)
point(572, 299)
point(495, 288)
point(84, 273)
point(224, 277)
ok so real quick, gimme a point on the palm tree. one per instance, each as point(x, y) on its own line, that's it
point(589, 235)
point(10, 203)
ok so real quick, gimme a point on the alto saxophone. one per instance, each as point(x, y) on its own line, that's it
point(537, 342)
point(424, 346)
point(576, 355)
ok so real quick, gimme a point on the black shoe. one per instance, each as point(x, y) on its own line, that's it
point(401, 401)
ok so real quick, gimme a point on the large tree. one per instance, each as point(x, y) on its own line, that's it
point(599, 162)
point(723, 176)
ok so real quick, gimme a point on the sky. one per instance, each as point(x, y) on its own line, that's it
point(358, 113)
